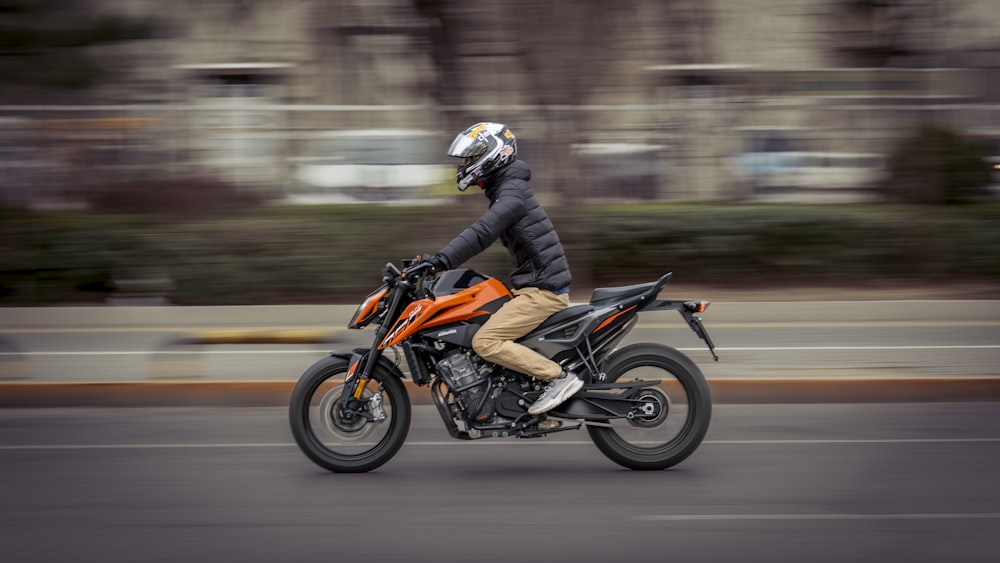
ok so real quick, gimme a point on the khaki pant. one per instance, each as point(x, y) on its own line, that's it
point(519, 316)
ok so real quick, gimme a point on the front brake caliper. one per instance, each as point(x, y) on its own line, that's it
point(375, 406)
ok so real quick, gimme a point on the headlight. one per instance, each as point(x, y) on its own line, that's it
point(369, 308)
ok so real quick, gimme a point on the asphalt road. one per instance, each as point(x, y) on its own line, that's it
point(903, 482)
point(755, 339)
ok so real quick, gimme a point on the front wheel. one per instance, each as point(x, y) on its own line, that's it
point(669, 422)
point(353, 440)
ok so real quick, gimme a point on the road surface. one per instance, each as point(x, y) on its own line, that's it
point(902, 482)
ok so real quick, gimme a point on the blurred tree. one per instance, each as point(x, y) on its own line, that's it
point(937, 165)
point(689, 31)
point(565, 50)
point(43, 43)
point(881, 33)
point(444, 49)
point(560, 50)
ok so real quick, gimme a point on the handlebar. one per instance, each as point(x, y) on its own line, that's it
point(416, 269)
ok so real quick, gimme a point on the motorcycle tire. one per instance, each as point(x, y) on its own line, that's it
point(684, 390)
point(341, 444)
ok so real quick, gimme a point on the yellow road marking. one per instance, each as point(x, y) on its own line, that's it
point(221, 332)
point(188, 330)
point(831, 324)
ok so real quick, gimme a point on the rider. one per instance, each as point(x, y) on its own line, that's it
point(541, 276)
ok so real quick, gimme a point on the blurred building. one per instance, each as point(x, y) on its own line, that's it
point(641, 99)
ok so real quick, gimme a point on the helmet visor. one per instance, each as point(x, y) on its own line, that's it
point(463, 146)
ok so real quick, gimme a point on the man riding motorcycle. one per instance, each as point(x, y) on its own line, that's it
point(541, 276)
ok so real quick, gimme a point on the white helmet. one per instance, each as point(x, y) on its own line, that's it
point(485, 147)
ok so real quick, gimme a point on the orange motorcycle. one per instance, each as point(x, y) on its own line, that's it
point(645, 405)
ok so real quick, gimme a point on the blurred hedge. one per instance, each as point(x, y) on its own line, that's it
point(936, 165)
point(334, 254)
point(789, 245)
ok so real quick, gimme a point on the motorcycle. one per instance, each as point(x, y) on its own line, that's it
point(646, 406)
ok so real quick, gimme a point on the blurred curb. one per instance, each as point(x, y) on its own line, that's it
point(239, 336)
point(165, 393)
point(10, 363)
point(182, 357)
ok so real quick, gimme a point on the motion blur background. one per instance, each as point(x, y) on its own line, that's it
point(279, 152)
point(244, 151)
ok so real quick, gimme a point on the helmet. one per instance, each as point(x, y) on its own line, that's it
point(486, 148)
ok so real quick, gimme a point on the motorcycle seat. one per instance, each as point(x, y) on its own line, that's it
point(608, 295)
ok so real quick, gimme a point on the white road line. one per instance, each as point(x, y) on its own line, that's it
point(163, 352)
point(490, 443)
point(339, 330)
point(827, 324)
point(320, 350)
point(855, 441)
point(912, 516)
point(29, 447)
point(838, 348)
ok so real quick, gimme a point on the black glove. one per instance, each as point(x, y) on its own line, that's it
point(429, 261)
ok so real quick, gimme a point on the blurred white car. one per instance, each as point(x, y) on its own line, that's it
point(371, 166)
point(810, 169)
point(781, 164)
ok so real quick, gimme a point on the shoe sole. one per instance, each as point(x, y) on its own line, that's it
point(566, 393)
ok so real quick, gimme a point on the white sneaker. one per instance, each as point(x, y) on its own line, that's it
point(557, 391)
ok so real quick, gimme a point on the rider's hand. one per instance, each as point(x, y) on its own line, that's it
point(429, 261)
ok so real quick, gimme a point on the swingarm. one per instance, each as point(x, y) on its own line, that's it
point(603, 401)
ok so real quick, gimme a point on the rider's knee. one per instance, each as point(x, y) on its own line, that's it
point(485, 346)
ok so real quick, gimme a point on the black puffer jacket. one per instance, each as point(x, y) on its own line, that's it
point(521, 224)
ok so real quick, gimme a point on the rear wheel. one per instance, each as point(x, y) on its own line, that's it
point(668, 422)
point(359, 438)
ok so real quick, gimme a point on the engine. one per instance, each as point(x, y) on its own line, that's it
point(472, 387)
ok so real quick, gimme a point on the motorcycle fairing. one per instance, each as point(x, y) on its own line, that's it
point(563, 326)
point(580, 326)
point(458, 334)
point(455, 281)
point(474, 303)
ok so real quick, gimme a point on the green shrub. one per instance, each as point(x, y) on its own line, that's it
point(64, 257)
point(335, 254)
point(937, 166)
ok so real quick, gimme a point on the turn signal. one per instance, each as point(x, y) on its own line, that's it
point(697, 306)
